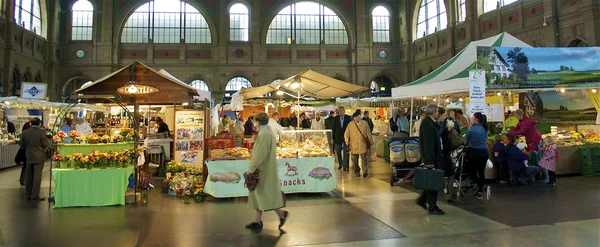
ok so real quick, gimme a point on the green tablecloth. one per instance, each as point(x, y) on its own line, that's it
point(66, 149)
point(103, 187)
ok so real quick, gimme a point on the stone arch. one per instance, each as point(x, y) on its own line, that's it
point(342, 77)
point(577, 43)
point(345, 17)
point(129, 7)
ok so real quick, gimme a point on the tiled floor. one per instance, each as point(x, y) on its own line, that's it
point(360, 212)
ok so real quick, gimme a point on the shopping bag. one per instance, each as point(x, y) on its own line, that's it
point(489, 165)
point(429, 179)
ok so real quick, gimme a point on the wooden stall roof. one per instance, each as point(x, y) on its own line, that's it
point(170, 90)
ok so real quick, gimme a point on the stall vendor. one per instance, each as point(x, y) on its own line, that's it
point(526, 127)
point(10, 127)
point(65, 126)
point(162, 126)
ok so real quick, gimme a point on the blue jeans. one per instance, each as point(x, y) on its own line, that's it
point(343, 161)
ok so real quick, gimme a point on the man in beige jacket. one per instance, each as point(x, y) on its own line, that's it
point(358, 138)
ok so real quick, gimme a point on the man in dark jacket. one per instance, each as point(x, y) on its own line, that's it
point(339, 125)
point(515, 159)
point(35, 142)
point(329, 120)
point(368, 119)
point(431, 155)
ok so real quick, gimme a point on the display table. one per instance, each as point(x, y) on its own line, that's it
point(569, 159)
point(164, 142)
point(66, 149)
point(83, 188)
point(306, 175)
point(7, 155)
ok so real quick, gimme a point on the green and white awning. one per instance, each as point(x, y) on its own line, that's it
point(452, 76)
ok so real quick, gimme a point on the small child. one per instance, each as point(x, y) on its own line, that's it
point(500, 159)
point(550, 159)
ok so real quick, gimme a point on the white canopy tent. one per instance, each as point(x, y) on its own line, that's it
point(452, 76)
point(306, 84)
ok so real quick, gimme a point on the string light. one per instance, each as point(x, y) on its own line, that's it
point(562, 90)
point(460, 99)
point(594, 90)
point(447, 99)
point(499, 94)
point(424, 98)
point(434, 99)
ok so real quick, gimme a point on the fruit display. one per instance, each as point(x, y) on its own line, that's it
point(230, 154)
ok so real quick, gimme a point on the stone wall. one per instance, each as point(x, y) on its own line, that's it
point(53, 56)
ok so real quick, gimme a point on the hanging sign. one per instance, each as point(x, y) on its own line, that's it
point(477, 92)
point(32, 90)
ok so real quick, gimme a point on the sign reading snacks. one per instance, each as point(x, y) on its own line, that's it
point(32, 90)
point(307, 175)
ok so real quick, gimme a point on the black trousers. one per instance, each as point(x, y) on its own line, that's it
point(429, 196)
point(552, 175)
point(477, 161)
point(22, 178)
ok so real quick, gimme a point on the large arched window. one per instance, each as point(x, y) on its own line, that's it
point(432, 17)
point(237, 83)
point(307, 23)
point(82, 20)
point(166, 21)
point(381, 24)
point(28, 15)
point(200, 85)
point(239, 18)
point(489, 5)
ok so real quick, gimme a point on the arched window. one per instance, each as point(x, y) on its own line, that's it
point(239, 18)
point(200, 85)
point(462, 10)
point(381, 86)
point(166, 21)
point(432, 17)
point(28, 15)
point(381, 25)
point(237, 83)
point(307, 23)
point(83, 20)
point(489, 5)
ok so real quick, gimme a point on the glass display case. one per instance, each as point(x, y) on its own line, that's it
point(305, 144)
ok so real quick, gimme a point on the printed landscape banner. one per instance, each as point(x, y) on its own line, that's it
point(569, 107)
point(307, 175)
point(524, 67)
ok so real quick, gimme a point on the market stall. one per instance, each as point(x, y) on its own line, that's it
point(102, 164)
point(305, 159)
point(305, 165)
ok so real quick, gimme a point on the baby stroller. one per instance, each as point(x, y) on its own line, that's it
point(404, 157)
point(462, 182)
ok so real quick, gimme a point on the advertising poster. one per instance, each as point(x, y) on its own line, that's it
point(32, 90)
point(477, 92)
point(308, 175)
point(530, 68)
point(189, 137)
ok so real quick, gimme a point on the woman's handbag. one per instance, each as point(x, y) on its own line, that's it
point(251, 179)
point(455, 139)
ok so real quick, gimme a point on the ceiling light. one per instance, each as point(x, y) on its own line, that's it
point(499, 94)
point(562, 90)
point(424, 98)
point(279, 93)
point(185, 103)
point(434, 99)
point(294, 85)
point(460, 99)
point(594, 90)
point(447, 99)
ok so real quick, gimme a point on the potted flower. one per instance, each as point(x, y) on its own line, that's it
point(58, 158)
point(186, 196)
point(199, 195)
point(93, 138)
point(145, 185)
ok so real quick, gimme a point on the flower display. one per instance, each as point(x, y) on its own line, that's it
point(73, 134)
point(96, 160)
point(105, 139)
point(186, 181)
point(118, 138)
point(56, 139)
point(61, 134)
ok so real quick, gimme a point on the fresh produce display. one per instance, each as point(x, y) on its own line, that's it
point(230, 154)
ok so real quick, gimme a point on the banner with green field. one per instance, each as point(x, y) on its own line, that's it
point(537, 68)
